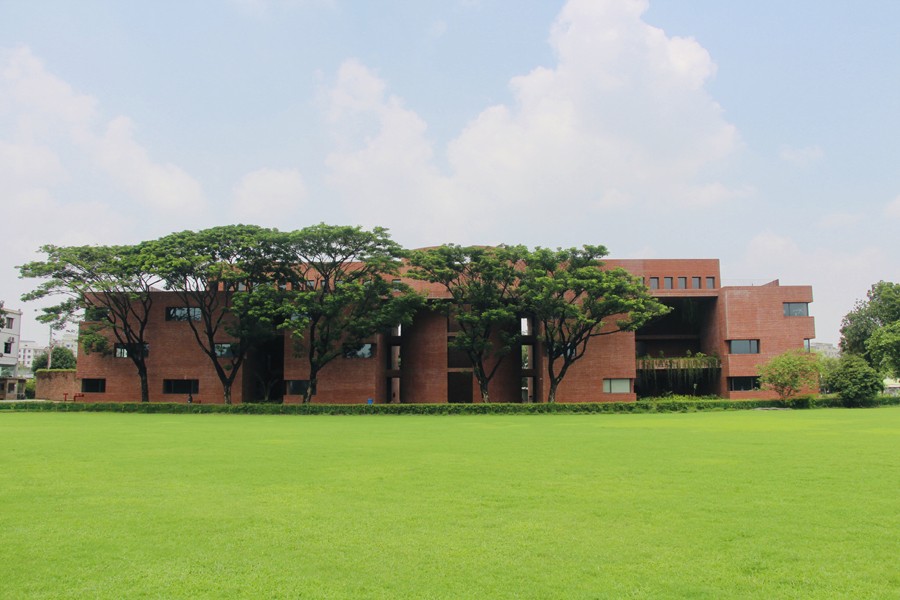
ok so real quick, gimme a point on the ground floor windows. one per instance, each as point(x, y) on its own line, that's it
point(296, 387)
point(93, 386)
point(181, 386)
point(616, 386)
point(743, 346)
point(743, 384)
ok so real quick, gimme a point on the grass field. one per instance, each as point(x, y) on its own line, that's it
point(755, 504)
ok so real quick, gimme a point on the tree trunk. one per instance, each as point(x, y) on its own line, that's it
point(145, 386)
point(551, 393)
point(310, 389)
point(485, 396)
point(227, 388)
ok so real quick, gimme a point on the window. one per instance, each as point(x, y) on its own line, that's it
point(743, 347)
point(682, 283)
point(743, 384)
point(695, 283)
point(7, 347)
point(654, 283)
point(296, 387)
point(361, 351)
point(807, 346)
point(93, 386)
point(182, 313)
point(224, 350)
point(126, 350)
point(616, 386)
point(667, 282)
point(710, 283)
point(457, 359)
point(181, 386)
point(796, 309)
point(10, 322)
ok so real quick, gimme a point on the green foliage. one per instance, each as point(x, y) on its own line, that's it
point(790, 372)
point(61, 359)
point(855, 381)
point(881, 309)
point(481, 282)
point(29, 389)
point(884, 348)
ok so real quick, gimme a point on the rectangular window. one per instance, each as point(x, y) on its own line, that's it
point(616, 386)
point(743, 384)
point(710, 283)
point(93, 386)
point(667, 282)
point(682, 283)
point(695, 283)
point(456, 358)
point(296, 387)
point(361, 351)
point(126, 350)
point(654, 283)
point(743, 346)
point(807, 346)
point(796, 309)
point(181, 386)
point(182, 313)
point(224, 350)
point(7, 347)
point(10, 322)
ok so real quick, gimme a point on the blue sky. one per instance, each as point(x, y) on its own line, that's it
point(763, 133)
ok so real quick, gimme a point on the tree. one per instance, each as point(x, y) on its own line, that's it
point(339, 293)
point(790, 372)
point(880, 309)
point(855, 381)
point(226, 279)
point(109, 287)
point(60, 357)
point(481, 283)
point(573, 299)
point(884, 348)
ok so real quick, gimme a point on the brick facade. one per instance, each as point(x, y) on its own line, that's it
point(415, 364)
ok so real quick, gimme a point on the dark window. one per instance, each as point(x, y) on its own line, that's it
point(181, 386)
point(7, 347)
point(710, 283)
point(796, 309)
point(682, 283)
point(457, 359)
point(182, 313)
point(10, 322)
point(743, 347)
point(361, 351)
point(695, 283)
point(452, 324)
point(667, 283)
point(743, 384)
point(126, 350)
point(296, 387)
point(807, 345)
point(93, 386)
point(224, 350)
point(654, 283)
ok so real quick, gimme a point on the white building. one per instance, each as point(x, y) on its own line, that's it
point(28, 349)
point(10, 326)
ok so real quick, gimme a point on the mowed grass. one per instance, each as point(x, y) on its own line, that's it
point(755, 504)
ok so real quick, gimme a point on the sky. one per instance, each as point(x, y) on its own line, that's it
point(764, 133)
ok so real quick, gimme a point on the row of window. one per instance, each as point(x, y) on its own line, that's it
point(170, 386)
point(669, 283)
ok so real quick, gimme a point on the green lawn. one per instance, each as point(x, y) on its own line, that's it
point(755, 504)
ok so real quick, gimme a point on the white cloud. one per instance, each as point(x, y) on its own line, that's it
point(801, 157)
point(892, 209)
point(268, 196)
point(621, 120)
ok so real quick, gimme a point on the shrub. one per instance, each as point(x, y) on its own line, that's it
point(856, 382)
point(790, 372)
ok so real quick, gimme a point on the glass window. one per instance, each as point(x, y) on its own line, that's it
point(181, 386)
point(743, 347)
point(682, 283)
point(361, 351)
point(126, 350)
point(296, 387)
point(710, 283)
point(807, 345)
point(93, 386)
point(616, 386)
point(667, 282)
point(457, 359)
point(224, 350)
point(743, 384)
point(7, 347)
point(654, 283)
point(10, 322)
point(796, 309)
point(695, 283)
point(182, 313)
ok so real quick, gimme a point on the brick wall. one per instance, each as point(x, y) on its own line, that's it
point(57, 385)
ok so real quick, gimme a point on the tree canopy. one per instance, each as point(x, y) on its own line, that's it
point(790, 372)
point(872, 329)
point(60, 357)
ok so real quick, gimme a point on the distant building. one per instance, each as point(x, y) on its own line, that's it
point(711, 343)
point(10, 326)
point(28, 350)
point(824, 349)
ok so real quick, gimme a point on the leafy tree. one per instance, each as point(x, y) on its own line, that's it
point(855, 381)
point(339, 293)
point(884, 348)
point(790, 372)
point(573, 299)
point(880, 309)
point(481, 283)
point(60, 358)
point(109, 286)
point(226, 279)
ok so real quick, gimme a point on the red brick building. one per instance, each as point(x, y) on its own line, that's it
point(711, 343)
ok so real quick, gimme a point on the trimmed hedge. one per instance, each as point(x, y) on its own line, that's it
point(682, 404)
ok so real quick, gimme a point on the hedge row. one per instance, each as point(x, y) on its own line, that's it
point(644, 406)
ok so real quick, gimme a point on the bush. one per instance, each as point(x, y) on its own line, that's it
point(856, 382)
point(790, 372)
point(29, 389)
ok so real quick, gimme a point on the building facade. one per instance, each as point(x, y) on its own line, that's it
point(710, 343)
